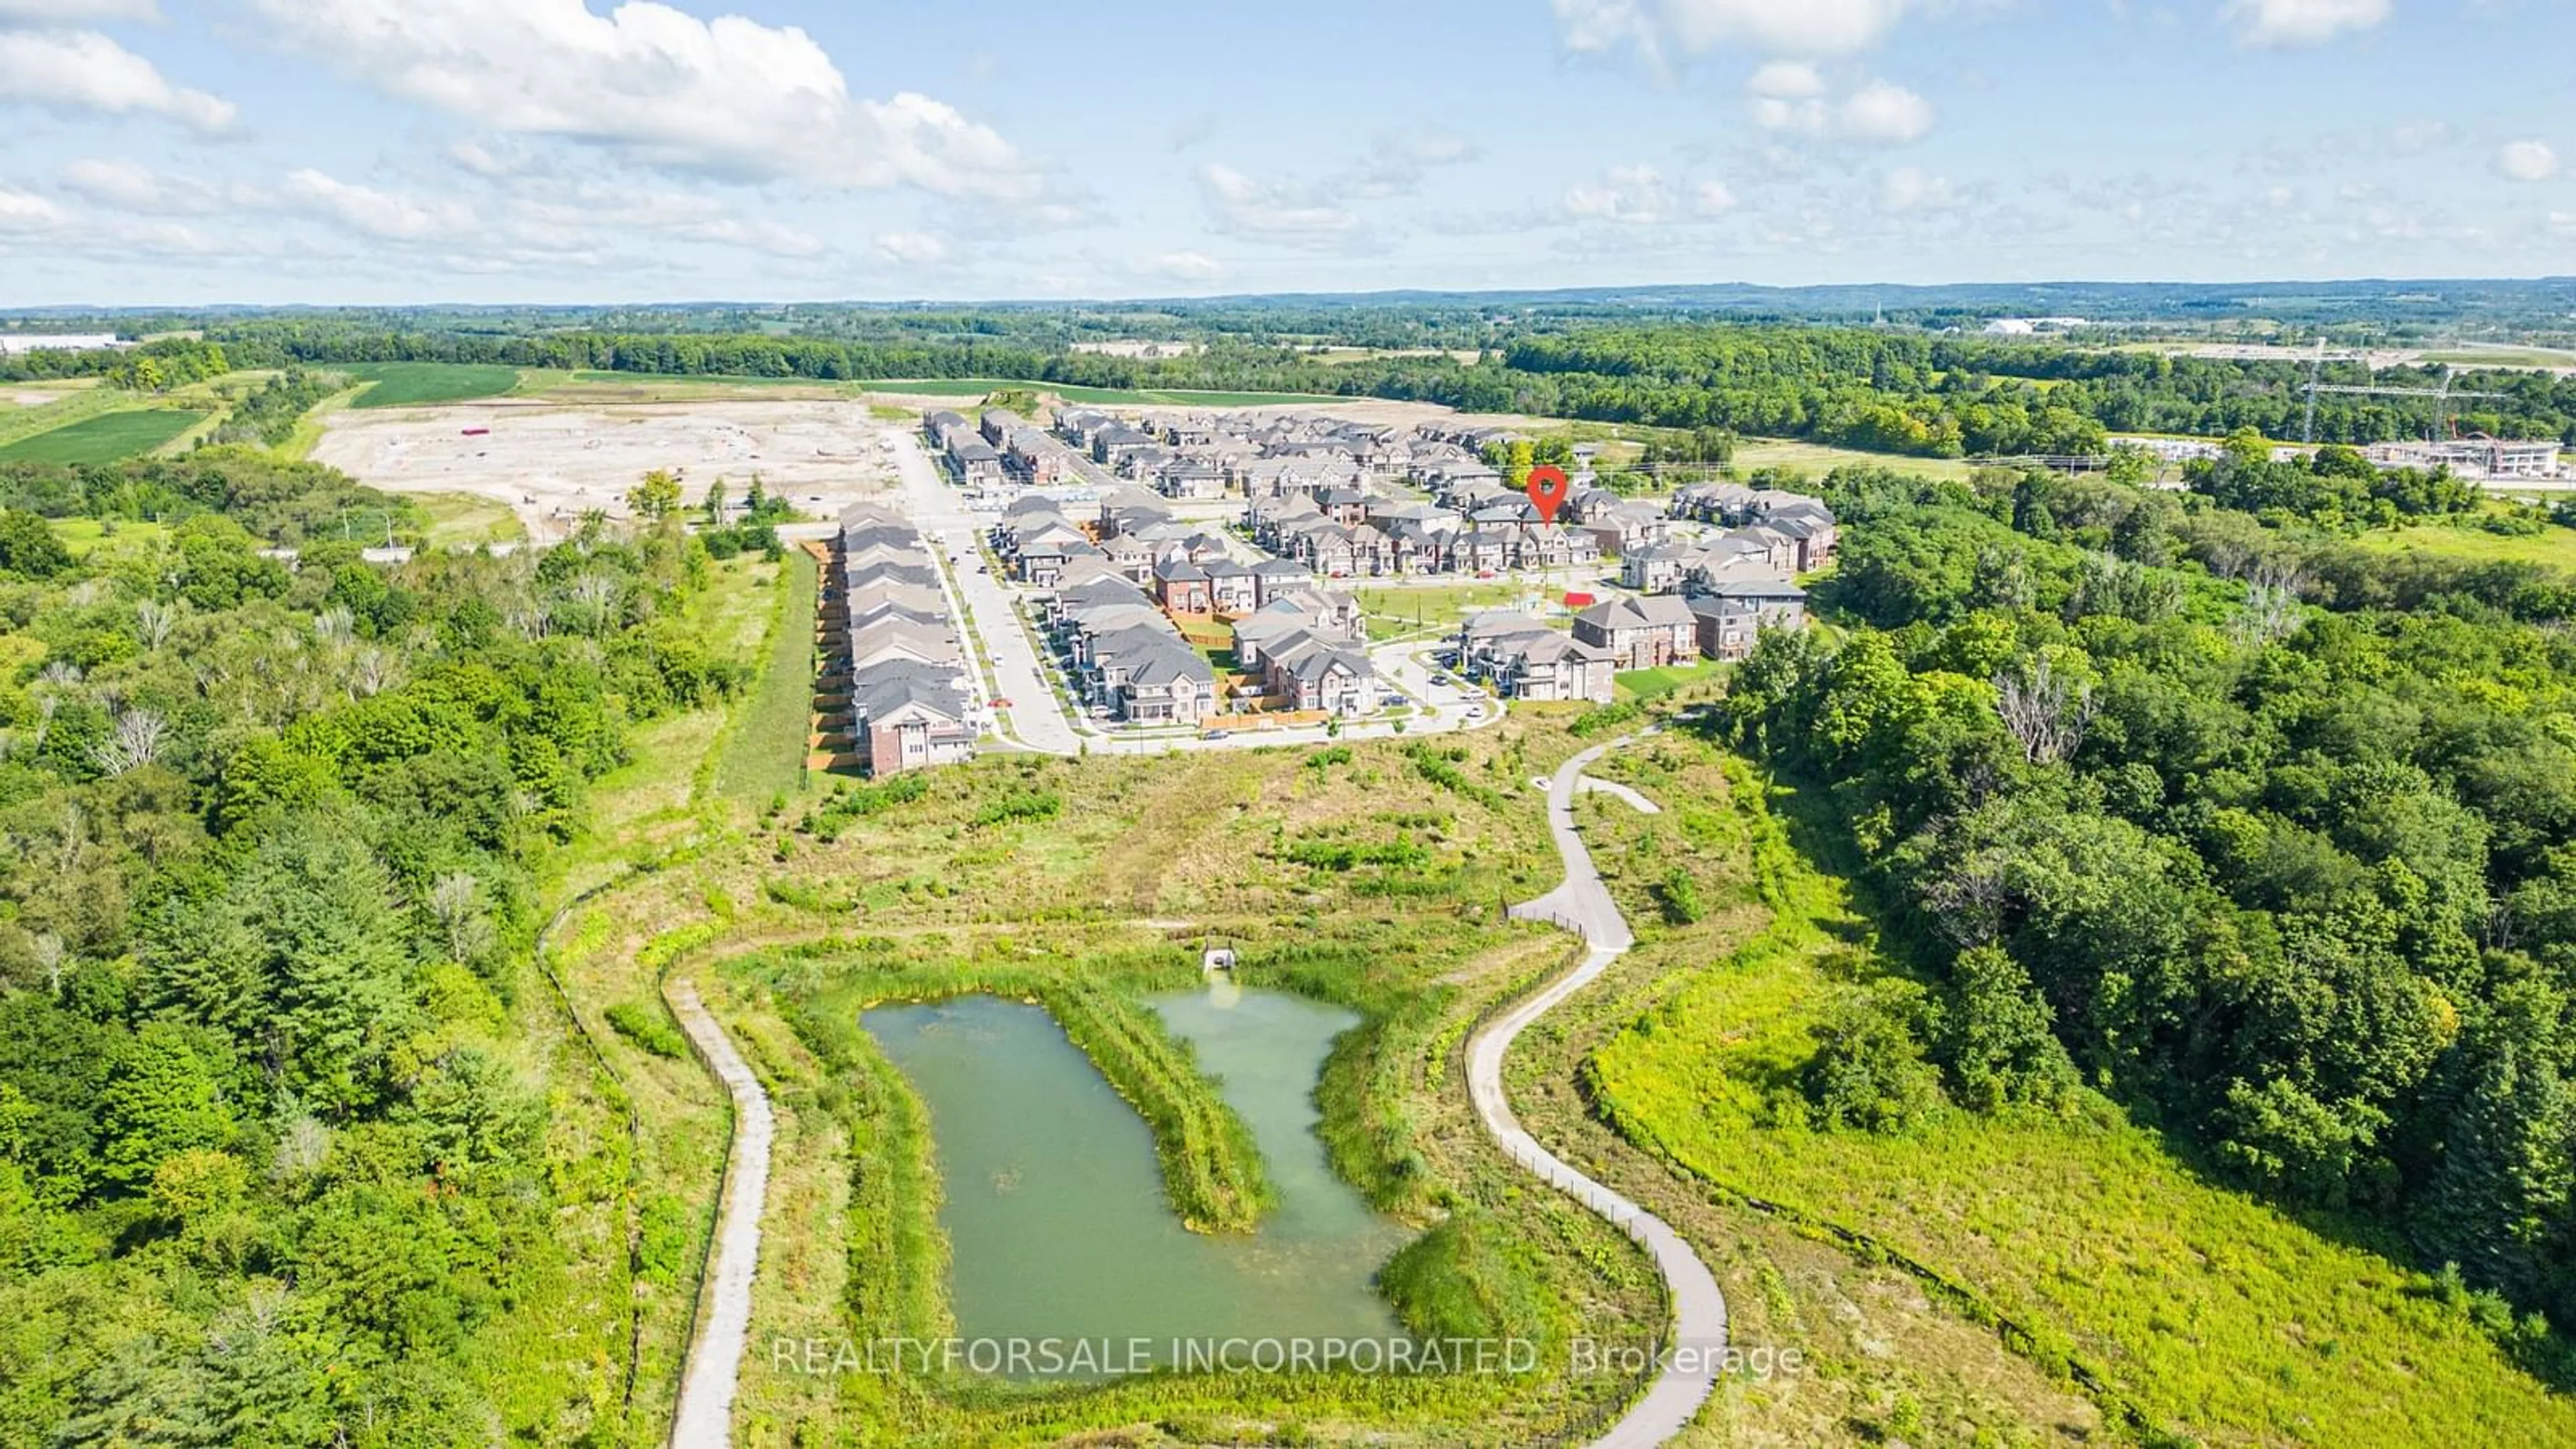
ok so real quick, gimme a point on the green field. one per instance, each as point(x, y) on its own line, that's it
point(764, 756)
point(1816, 460)
point(2555, 547)
point(964, 387)
point(85, 536)
point(419, 384)
point(1652, 684)
point(103, 439)
point(461, 520)
point(2504, 357)
point(1395, 613)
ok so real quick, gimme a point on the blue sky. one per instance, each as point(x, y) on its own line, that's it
point(356, 151)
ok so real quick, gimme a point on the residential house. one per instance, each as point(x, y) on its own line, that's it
point(1183, 586)
point(1645, 633)
point(1732, 619)
point(1233, 588)
point(1307, 671)
point(910, 717)
point(1627, 524)
point(1655, 569)
point(1549, 666)
point(1274, 577)
point(978, 463)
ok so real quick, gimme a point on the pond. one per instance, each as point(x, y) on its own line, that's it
point(1053, 1199)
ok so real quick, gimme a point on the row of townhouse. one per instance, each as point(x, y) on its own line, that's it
point(1808, 526)
point(1125, 657)
point(1356, 535)
point(1522, 657)
point(1308, 646)
point(971, 457)
point(899, 656)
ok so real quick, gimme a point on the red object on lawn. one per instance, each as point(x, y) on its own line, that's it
point(1579, 601)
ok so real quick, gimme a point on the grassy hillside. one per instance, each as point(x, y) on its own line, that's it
point(2110, 1254)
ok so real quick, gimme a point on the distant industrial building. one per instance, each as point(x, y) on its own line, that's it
point(18, 344)
point(2492, 459)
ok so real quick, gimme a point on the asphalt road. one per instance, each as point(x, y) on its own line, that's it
point(1583, 905)
point(705, 1414)
point(1036, 717)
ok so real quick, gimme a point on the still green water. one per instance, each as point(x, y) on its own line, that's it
point(1054, 1207)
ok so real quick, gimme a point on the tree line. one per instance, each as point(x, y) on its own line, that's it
point(2159, 797)
point(1906, 392)
point(276, 1163)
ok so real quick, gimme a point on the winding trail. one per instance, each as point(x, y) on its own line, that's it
point(1583, 905)
point(715, 1357)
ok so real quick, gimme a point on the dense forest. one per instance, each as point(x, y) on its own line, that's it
point(2277, 846)
point(274, 1168)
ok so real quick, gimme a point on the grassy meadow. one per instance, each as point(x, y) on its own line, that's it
point(2554, 547)
point(2176, 1303)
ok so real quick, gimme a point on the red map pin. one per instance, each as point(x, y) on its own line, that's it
point(1549, 488)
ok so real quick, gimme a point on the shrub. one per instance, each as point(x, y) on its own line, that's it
point(647, 1028)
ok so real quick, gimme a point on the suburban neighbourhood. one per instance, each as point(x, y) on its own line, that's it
point(1195, 569)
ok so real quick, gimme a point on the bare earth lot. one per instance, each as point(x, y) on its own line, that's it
point(552, 463)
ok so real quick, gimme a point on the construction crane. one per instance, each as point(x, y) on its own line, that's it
point(2441, 396)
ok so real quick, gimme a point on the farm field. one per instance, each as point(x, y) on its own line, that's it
point(105, 438)
point(596, 386)
point(415, 384)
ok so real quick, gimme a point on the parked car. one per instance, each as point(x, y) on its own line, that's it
point(1216, 734)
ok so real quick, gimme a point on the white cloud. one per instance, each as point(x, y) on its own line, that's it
point(22, 211)
point(1273, 212)
point(125, 186)
point(912, 248)
point(1786, 80)
point(1667, 32)
point(1632, 196)
point(2526, 161)
point(2301, 22)
point(1712, 199)
point(1397, 164)
point(382, 214)
point(82, 70)
point(1182, 267)
point(728, 98)
point(1791, 96)
point(1909, 188)
point(769, 237)
point(1884, 114)
point(76, 12)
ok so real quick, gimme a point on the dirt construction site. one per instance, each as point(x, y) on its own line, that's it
point(552, 463)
